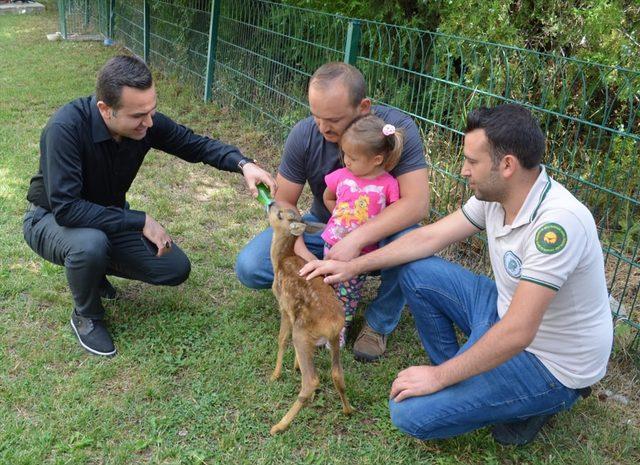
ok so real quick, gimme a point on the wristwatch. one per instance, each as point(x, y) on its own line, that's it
point(243, 161)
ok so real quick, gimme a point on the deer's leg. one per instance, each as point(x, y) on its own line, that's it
point(304, 353)
point(283, 336)
point(338, 375)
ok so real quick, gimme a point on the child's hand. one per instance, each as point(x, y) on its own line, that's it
point(346, 249)
point(301, 250)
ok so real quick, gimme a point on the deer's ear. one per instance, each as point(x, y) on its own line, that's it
point(313, 227)
point(296, 228)
point(292, 215)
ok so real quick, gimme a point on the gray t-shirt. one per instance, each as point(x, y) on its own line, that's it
point(309, 157)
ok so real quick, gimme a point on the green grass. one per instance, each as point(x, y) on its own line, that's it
point(191, 381)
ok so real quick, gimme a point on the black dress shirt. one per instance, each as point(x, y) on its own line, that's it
point(85, 174)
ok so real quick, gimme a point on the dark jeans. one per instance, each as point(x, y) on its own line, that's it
point(89, 254)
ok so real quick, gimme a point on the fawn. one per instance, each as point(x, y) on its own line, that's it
point(309, 311)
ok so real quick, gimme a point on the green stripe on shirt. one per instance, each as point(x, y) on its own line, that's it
point(470, 220)
point(539, 282)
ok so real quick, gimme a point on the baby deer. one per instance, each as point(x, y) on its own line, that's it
point(309, 311)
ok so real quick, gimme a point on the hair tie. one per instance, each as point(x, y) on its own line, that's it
point(388, 129)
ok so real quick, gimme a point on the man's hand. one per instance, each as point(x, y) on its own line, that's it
point(253, 175)
point(157, 235)
point(336, 271)
point(416, 381)
point(345, 249)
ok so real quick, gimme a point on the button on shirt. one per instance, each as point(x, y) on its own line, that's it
point(553, 242)
point(85, 174)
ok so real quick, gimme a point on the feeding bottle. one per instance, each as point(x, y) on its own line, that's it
point(264, 196)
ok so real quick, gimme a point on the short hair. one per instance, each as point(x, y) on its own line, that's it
point(348, 75)
point(510, 128)
point(118, 72)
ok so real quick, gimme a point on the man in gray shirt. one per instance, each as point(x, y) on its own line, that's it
point(337, 96)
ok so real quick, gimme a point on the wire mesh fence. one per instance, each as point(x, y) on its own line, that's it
point(83, 19)
point(257, 56)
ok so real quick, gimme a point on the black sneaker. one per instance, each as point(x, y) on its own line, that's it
point(519, 433)
point(107, 291)
point(93, 335)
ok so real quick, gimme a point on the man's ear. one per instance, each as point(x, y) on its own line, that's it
point(509, 165)
point(105, 110)
point(365, 106)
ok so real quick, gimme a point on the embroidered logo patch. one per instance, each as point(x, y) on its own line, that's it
point(551, 238)
point(512, 264)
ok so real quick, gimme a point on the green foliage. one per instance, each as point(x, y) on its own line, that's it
point(416, 13)
point(604, 31)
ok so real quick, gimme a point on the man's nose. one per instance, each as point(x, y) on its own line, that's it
point(465, 172)
point(148, 121)
point(322, 126)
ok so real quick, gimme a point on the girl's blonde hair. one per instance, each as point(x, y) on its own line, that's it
point(367, 132)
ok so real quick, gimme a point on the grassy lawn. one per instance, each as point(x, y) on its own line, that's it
point(191, 381)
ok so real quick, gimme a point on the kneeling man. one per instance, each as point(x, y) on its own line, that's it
point(539, 335)
point(90, 152)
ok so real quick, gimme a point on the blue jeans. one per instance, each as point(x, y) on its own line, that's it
point(441, 294)
point(254, 270)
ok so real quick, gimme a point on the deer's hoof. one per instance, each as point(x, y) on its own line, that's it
point(277, 428)
point(348, 409)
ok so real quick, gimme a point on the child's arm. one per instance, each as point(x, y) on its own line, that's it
point(329, 199)
point(301, 250)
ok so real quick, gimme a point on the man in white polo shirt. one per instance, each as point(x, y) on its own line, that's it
point(539, 335)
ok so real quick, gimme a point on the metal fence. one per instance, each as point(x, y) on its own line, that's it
point(257, 56)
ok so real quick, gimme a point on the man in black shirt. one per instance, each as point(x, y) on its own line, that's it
point(90, 152)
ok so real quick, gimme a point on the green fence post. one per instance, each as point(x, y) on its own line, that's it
point(352, 45)
point(62, 17)
point(213, 44)
point(112, 17)
point(147, 30)
point(87, 15)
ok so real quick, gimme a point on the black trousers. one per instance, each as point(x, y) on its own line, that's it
point(89, 254)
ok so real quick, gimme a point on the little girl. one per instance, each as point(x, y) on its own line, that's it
point(360, 191)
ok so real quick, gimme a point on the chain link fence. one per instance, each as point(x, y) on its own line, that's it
point(256, 56)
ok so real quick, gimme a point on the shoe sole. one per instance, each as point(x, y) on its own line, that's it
point(506, 436)
point(89, 349)
point(105, 296)
point(362, 357)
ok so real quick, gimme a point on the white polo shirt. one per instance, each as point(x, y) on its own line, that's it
point(553, 242)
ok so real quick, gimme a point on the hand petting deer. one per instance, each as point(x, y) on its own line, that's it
point(309, 311)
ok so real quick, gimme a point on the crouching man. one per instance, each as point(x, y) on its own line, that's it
point(539, 335)
point(90, 152)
